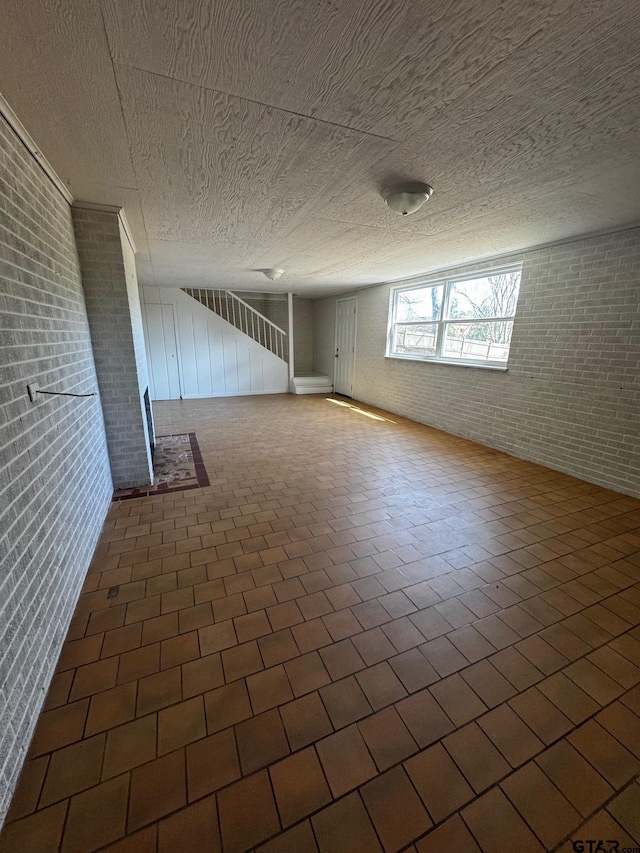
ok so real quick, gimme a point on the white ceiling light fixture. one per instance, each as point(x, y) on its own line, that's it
point(274, 274)
point(407, 198)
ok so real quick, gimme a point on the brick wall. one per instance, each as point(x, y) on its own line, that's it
point(570, 398)
point(113, 308)
point(55, 483)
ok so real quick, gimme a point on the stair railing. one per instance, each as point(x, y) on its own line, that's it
point(244, 317)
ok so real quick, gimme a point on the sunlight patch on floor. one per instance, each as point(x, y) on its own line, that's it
point(359, 411)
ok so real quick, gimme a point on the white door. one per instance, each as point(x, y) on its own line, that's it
point(345, 346)
point(162, 351)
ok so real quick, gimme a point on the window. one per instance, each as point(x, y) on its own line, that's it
point(460, 320)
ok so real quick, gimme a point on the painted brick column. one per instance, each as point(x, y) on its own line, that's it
point(112, 298)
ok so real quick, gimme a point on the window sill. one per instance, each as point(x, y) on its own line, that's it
point(450, 362)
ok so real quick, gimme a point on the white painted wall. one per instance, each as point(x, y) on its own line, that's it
point(135, 311)
point(212, 358)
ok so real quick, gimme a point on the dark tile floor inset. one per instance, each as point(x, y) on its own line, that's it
point(177, 467)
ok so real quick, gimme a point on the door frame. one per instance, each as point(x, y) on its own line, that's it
point(353, 298)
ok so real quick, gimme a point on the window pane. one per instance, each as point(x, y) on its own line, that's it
point(424, 303)
point(491, 296)
point(478, 341)
point(415, 340)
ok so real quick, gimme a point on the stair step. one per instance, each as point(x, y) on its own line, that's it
point(311, 383)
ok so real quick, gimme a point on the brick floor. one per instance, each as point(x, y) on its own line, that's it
point(363, 635)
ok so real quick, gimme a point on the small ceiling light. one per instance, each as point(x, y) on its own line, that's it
point(407, 198)
point(272, 275)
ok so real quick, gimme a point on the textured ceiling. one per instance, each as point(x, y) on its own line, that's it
point(246, 134)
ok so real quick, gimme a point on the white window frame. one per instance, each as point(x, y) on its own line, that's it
point(446, 282)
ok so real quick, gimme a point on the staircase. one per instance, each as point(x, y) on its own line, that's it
point(246, 319)
point(259, 328)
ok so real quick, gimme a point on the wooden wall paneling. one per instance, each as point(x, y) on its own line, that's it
point(229, 378)
point(162, 351)
point(213, 367)
point(149, 294)
point(243, 363)
point(259, 378)
point(202, 340)
point(212, 357)
point(187, 348)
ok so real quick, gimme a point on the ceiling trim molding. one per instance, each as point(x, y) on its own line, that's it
point(110, 208)
point(27, 140)
point(516, 255)
point(513, 253)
